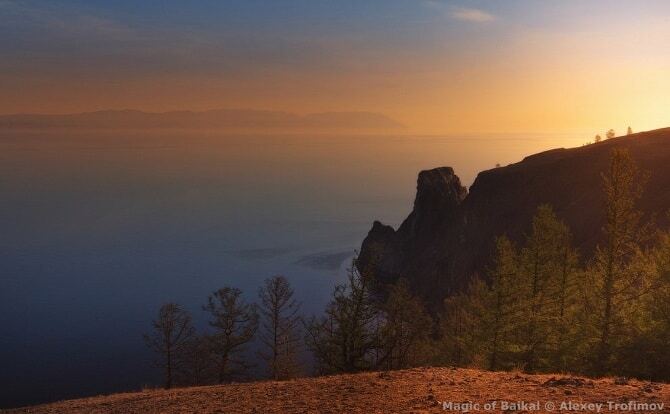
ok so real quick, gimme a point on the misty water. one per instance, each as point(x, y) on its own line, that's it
point(99, 229)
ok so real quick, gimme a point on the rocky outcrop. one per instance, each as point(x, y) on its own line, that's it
point(449, 235)
point(422, 238)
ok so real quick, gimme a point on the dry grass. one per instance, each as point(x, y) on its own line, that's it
point(411, 391)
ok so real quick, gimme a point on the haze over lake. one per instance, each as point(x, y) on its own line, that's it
point(99, 229)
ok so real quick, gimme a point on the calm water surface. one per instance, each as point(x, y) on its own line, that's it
point(98, 229)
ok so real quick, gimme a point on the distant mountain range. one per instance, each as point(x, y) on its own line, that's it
point(234, 119)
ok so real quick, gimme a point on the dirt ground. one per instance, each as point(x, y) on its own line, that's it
point(422, 390)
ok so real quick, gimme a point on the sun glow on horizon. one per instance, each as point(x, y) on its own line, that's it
point(434, 65)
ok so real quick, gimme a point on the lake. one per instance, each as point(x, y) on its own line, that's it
point(100, 228)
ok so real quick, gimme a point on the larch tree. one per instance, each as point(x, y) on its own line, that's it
point(199, 369)
point(501, 320)
point(171, 333)
point(565, 299)
point(406, 328)
point(614, 283)
point(234, 322)
point(462, 330)
point(346, 339)
point(648, 354)
point(546, 275)
point(279, 328)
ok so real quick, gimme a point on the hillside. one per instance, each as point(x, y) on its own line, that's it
point(449, 235)
point(235, 119)
point(422, 390)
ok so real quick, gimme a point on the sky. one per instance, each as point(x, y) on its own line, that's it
point(437, 66)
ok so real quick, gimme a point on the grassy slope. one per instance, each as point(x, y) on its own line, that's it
point(410, 391)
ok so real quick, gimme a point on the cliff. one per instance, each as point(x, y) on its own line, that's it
point(449, 236)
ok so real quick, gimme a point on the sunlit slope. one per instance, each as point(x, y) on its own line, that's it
point(422, 390)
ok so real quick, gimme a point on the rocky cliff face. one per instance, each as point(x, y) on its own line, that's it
point(449, 236)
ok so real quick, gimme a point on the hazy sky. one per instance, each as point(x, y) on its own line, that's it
point(435, 65)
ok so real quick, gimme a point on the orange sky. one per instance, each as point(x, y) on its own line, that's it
point(436, 66)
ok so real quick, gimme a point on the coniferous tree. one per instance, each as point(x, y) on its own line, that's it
point(235, 323)
point(501, 321)
point(635, 347)
point(546, 276)
point(542, 311)
point(346, 339)
point(646, 355)
point(198, 366)
point(172, 331)
point(462, 330)
point(524, 316)
point(614, 282)
point(279, 328)
point(565, 344)
point(404, 335)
